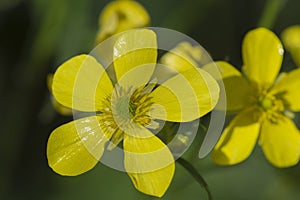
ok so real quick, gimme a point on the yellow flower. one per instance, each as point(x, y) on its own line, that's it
point(125, 111)
point(291, 40)
point(263, 104)
point(117, 16)
point(120, 16)
point(183, 55)
point(181, 58)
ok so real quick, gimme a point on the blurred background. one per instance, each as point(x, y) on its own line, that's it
point(38, 35)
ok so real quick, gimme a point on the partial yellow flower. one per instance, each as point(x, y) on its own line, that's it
point(125, 111)
point(264, 105)
point(57, 106)
point(291, 40)
point(183, 57)
point(121, 15)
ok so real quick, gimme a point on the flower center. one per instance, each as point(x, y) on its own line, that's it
point(266, 103)
point(126, 107)
point(272, 106)
point(131, 105)
point(123, 108)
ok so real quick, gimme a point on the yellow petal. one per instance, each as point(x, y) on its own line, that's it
point(138, 76)
point(63, 110)
point(57, 106)
point(76, 147)
point(108, 28)
point(49, 82)
point(185, 97)
point(179, 59)
point(119, 16)
point(81, 83)
point(288, 87)
point(135, 49)
point(238, 139)
point(280, 142)
point(237, 88)
point(183, 57)
point(291, 40)
point(262, 55)
point(148, 162)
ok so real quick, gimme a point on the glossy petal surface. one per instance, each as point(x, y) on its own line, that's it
point(185, 97)
point(76, 147)
point(81, 83)
point(135, 54)
point(148, 162)
point(262, 55)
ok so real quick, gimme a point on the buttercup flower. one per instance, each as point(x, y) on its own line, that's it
point(116, 17)
point(126, 111)
point(121, 15)
point(263, 104)
point(291, 41)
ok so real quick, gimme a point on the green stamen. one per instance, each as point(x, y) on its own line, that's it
point(266, 103)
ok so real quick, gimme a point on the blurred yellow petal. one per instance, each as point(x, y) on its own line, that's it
point(227, 70)
point(280, 142)
point(238, 89)
point(81, 83)
point(148, 162)
point(183, 57)
point(238, 139)
point(108, 28)
point(291, 37)
point(63, 110)
point(262, 55)
point(50, 82)
point(291, 40)
point(76, 147)
point(135, 49)
point(185, 97)
point(119, 16)
point(288, 87)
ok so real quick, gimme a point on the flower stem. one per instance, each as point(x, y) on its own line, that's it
point(195, 175)
point(271, 10)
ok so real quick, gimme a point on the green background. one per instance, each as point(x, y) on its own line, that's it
point(38, 35)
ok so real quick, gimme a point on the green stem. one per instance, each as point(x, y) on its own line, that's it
point(271, 10)
point(195, 175)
